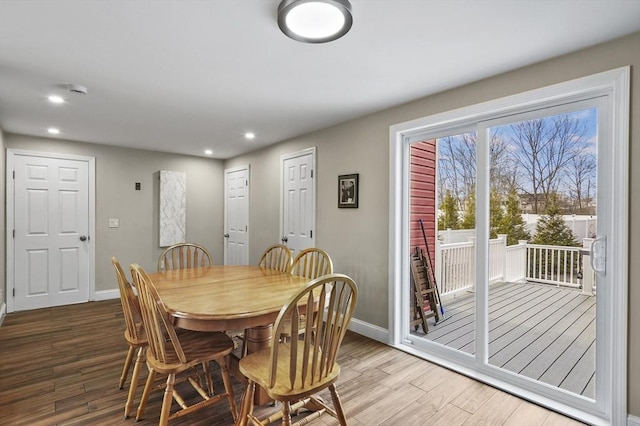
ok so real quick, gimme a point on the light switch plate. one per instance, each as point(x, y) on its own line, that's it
point(114, 223)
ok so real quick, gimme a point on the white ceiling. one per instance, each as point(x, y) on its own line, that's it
point(183, 76)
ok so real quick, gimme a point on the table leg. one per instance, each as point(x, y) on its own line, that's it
point(257, 338)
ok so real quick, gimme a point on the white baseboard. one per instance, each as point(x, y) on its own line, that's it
point(106, 295)
point(633, 420)
point(3, 312)
point(369, 330)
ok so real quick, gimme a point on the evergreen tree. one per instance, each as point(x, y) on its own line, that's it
point(495, 213)
point(551, 228)
point(449, 217)
point(469, 217)
point(512, 222)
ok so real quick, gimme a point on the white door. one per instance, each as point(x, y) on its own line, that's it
point(298, 200)
point(236, 216)
point(51, 229)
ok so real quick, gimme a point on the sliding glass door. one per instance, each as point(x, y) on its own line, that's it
point(509, 222)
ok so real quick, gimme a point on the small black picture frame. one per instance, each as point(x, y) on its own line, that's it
point(348, 191)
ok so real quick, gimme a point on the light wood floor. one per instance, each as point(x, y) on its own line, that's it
point(62, 365)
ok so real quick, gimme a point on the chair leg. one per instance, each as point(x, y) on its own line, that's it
point(167, 400)
point(127, 365)
point(244, 345)
point(207, 377)
point(228, 387)
point(337, 405)
point(246, 409)
point(145, 394)
point(134, 381)
point(286, 413)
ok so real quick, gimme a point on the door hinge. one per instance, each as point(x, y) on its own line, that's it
point(311, 234)
point(14, 174)
point(14, 233)
point(246, 228)
point(14, 292)
point(246, 183)
point(312, 173)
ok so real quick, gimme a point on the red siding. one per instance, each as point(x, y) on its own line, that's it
point(423, 194)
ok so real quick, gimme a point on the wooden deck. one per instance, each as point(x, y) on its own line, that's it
point(543, 332)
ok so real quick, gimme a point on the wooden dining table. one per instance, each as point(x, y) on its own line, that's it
point(225, 298)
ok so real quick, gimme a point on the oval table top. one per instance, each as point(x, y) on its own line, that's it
point(225, 297)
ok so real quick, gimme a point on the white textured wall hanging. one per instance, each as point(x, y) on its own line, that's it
point(173, 207)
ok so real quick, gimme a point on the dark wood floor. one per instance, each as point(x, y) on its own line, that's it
point(62, 365)
point(541, 331)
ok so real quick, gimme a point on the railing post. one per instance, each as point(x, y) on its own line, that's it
point(503, 248)
point(587, 271)
point(472, 263)
point(523, 245)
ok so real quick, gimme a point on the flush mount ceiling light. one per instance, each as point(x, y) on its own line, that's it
point(315, 21)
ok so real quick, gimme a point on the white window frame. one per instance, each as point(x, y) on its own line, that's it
point(614, 86)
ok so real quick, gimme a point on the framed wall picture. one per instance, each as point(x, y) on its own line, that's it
point(348, 191)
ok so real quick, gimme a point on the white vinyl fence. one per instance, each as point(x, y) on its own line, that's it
point(562, 266)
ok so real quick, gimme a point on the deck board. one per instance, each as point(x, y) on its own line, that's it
point(543, 332)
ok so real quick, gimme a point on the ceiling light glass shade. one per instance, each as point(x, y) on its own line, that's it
point(315, 21)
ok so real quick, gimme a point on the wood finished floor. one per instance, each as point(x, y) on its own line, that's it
point(540, 331)
point(62, 365)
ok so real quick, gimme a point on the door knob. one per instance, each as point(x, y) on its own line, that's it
point(226, 235)
point(83, 238)
point(284, 239)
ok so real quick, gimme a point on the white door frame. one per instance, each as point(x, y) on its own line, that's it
point(608, 409)
point(283, 159)
point(10, 246)
point(231, 170)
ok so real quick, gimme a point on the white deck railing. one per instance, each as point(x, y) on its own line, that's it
point(455, 267)
point(553, 264)
point(566, 266)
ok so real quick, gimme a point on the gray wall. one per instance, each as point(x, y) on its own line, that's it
point(358, 239)
point(3, 246)
point(117, 170)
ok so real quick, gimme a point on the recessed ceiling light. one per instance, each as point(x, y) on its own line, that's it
point(208, 151)
point(53, 130)
point(55, 99)
point(249, 135)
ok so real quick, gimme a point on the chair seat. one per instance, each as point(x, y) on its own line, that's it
point(136, 342)
point(198, 346)
point(255, 367)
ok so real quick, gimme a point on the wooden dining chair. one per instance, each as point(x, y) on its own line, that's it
point(277, 257)
point(184, 256)
point(295, 371)
point(134, 334)
point(312, 263)
point(171, 353)
point(309, 263)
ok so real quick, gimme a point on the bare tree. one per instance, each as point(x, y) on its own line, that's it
point(579, 181)
point(545, 147)
point(456, 167)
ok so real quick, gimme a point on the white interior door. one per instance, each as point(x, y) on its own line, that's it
point(236, 216)
point(51, 226)
point(298, 200)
